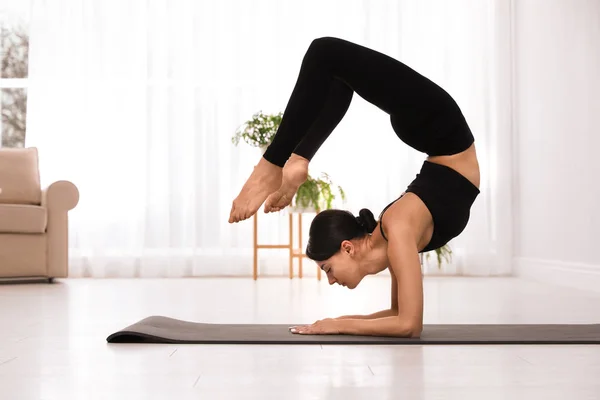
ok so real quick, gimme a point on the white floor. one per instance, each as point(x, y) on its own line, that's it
point(53, 342)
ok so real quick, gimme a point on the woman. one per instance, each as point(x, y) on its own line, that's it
point(434, 208)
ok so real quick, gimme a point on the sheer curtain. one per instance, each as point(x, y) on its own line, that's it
point(136, 102)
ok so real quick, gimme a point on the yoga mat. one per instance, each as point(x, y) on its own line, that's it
point(158, 329)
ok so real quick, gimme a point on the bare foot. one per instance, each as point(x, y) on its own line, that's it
point(295, 173)
point(264, 180)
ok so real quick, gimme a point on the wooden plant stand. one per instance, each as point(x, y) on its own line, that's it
point(293, 252)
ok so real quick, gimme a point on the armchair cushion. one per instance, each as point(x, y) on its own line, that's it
point(22, 218)
point(19, 176)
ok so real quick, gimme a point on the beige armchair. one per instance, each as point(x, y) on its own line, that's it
point(33, 222)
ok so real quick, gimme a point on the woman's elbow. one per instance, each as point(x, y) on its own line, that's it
point(409, 329)
point(415, 330)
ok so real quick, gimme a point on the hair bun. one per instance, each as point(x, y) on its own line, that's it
point(366, 220)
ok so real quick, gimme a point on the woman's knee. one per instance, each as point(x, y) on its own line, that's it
point(322, 46)
point(324, 41)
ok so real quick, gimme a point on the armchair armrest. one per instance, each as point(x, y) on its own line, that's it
point(59, 198)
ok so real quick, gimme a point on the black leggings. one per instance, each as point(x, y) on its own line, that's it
point(422, 114)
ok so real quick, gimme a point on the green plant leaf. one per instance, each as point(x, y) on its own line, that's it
point(259, 130)
point(442, 253)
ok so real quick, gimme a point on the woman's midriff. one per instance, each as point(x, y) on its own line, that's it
point(465, 163)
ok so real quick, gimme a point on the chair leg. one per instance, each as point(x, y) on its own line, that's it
point(255, 265)
point(318, 269)
point(300, 245)
point(291, 227)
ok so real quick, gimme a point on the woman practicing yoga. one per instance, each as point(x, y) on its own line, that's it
point(434, 208)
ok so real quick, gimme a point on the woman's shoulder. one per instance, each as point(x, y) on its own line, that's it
point(406, 216)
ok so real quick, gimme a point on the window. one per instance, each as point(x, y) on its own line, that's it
point(14, 48)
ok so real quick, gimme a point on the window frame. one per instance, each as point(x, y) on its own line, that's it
point(12, 15)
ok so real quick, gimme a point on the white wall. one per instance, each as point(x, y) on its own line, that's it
point(557, 140)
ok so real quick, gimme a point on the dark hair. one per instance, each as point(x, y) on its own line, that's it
point(331, 227)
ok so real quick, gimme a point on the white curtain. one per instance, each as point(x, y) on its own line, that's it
point(136, 101)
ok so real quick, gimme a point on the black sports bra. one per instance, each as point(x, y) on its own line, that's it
point(381, 215)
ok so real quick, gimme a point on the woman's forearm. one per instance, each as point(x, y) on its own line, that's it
point(385, 326)
point(379, 314)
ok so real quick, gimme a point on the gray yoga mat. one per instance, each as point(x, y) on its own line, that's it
point(158, 329)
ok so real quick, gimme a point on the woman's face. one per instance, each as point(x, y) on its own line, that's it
point(343, 267)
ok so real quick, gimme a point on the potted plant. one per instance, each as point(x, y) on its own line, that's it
point(313, 195)
point(442, 253)
point(259, 130)
point(316, 194)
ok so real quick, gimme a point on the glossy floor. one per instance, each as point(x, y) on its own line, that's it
point(53, 342)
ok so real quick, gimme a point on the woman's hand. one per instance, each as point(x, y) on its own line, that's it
point(328, 326)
